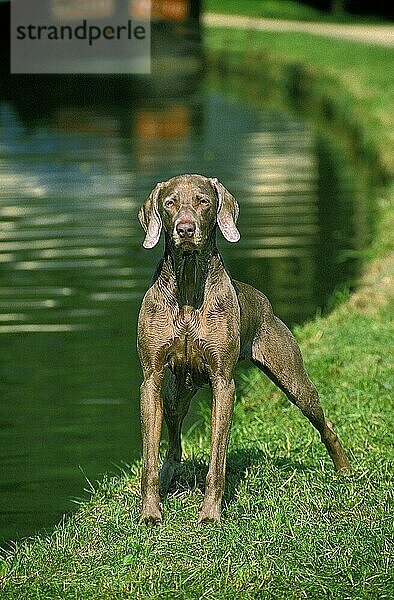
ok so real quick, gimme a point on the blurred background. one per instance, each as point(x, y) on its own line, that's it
point(78, 156)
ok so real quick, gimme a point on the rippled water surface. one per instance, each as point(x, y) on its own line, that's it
point(73, 174)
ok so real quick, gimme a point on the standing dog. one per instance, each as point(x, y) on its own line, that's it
point(198, 322)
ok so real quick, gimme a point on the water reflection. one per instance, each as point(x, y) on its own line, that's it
point(73, 175)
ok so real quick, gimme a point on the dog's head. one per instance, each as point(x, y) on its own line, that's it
point(188, 207)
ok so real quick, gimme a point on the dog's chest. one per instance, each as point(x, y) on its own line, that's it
point(187, 350)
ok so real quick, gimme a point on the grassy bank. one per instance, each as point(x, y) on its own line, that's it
point(284, 9)
point(291, 527)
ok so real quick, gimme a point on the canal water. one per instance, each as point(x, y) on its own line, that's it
point(74, 169)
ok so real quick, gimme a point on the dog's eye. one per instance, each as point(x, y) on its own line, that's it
point(203, 200)
point(169, 202)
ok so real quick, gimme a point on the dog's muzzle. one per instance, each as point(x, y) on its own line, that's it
point(186, 230)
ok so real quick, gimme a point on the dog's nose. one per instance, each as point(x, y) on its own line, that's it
point(186, 229)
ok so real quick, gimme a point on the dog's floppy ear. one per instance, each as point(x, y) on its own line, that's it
point(150, 219)
point(228, 211)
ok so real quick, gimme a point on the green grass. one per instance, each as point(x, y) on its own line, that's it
point(281, 9)
point(291, 527)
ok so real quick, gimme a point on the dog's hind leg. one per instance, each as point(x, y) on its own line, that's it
point(177, 397)
point(276, 353)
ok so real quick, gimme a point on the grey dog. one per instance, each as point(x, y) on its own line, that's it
point(198, 322)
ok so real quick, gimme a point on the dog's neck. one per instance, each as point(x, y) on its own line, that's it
point(189, 271)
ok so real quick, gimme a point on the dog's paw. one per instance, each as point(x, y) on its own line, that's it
point(209, 513)
point(152, 514)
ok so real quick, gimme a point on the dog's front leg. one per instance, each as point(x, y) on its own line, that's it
point(222, 412)
point(151, 420)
